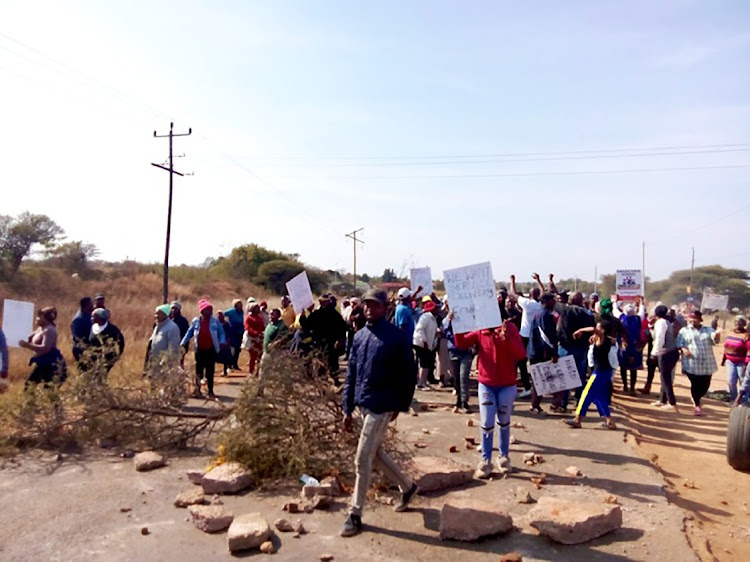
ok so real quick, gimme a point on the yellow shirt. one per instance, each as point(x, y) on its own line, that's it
point(288, 316)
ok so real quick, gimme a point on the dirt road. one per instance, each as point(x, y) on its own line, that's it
point(71, 510)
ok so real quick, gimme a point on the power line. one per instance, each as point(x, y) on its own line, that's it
point(533, 174)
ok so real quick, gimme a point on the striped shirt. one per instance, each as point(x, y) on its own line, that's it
point(700, 344)
point(736, 347)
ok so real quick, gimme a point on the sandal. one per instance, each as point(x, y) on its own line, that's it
point(573, 424)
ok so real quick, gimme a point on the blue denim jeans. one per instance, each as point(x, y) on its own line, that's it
point(496, 403)
point(734, 378)
point(461, 367)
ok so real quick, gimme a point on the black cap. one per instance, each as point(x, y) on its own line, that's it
point(376, 295)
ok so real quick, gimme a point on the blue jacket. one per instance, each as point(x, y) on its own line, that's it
point(382, 372)
point(80, 329)
point(217, 333)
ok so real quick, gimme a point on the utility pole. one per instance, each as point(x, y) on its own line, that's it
point(643, 269)
point(596, 278)
point(692, 269)
point(172, 172)
point(353, 236)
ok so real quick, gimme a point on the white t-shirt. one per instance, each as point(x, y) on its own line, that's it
point(530, 309)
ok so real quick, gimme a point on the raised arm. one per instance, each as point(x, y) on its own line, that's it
point(552, 286)
point(513, 285)
point(538, 281)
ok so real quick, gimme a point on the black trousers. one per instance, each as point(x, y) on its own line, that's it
point(699, 385)
point(667, 362)
point(205, 366)
point(523, 367)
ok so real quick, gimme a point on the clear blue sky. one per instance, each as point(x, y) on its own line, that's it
point(312, 119)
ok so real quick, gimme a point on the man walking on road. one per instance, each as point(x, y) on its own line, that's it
point(531, 307)
point(380, 381)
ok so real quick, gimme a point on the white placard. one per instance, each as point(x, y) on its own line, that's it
point(471, 294)
point(299, 292)
point(552, 377)
point(712, 301)
point(421, 276)
point(18, 321)
point(629, 283)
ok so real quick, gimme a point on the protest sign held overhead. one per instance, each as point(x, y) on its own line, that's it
point(421, 276)
point(471, 294)
point(629, 283)
point(18, 320)
point(299, 292)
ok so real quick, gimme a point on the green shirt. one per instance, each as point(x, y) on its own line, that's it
point(273, 331)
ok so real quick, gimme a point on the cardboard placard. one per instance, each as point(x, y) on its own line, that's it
point(472, 298)
point(552, 377)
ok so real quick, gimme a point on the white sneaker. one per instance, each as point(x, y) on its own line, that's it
point(204, 382)
point(484, 469)
point(524, 394)
point(658, 404)
point(503, 464)
point(668, 408)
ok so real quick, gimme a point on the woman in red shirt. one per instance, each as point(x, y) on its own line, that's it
point(499, 351)
point(253, 339)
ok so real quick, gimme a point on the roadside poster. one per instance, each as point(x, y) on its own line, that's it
point(471, 294)
point(299, 292)
point(713, 301)
point(629, 283)
point(552, 377)
point(421, 276)
point(18, 320)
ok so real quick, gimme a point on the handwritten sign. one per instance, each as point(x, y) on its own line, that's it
point(629, 283)
point(713, 301)
point(471, 294)
point(552, 377)
point(299, 292)
point(18, 320)
point(421, 276)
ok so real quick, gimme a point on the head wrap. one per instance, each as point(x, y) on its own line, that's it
point(203, 304)
point(630, 309)
point(177, 305)
point(235, 302)
point(250, 300)
point(606, 306)
point(164, 309)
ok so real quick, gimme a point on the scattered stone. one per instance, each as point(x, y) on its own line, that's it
point(248, 531)
point(470, 439)
point(612, 499)
point(433, 406)
point(518, 425)
point(145, 531)
point(195, 476)
point(216, 500)
point(574, 522)
point(385, 500)
point(513, 440)
point(689, 484)
point(291, 507)
point(333, 482)
point(437, 473)
point(318, 502)
point(533, 459)
point(511, 557)
point(326, 557)
point(283, 525)
point(469, 446)
point(128, 454)
point(425, 431)
point(299, 527)
point(295, 536)
point(523, 496)
point(267, 548)
point(210, 518)
point(227, 478)
point(453, 449)
point(479, 448)
point(539, 481)
point(573, 471)
point(320, 490)
point(192, 496)
point(420, 445)
point(472, 523)
point(125, 509)
point(148, 460)
point(469, 423)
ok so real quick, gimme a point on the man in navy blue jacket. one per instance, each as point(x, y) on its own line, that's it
point(380, 381)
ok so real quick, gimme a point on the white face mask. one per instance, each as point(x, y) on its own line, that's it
point(97, 329)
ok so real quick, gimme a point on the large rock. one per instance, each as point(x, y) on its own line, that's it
point(227, 478)
point(148, 460)
point(248, 531)
point(574, 522)
point(191, 496)
point(438, 473)
point(309, 491)
point(210, 518)
point(472, 521)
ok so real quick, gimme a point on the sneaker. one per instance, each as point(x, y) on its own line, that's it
point(352, 526)
point(211, 396)
point(698, 411)
point(484, 469)
point(571, 422)
point(424, 387)
point(524, 394)
point(203, 382)
point(668, 408)
point(658, 404)
point(503, 464)
point(403, 503)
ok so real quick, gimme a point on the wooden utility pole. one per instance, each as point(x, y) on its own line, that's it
point(172, 172)
point(692, 269)
point(353, 236)
point(643, 270)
